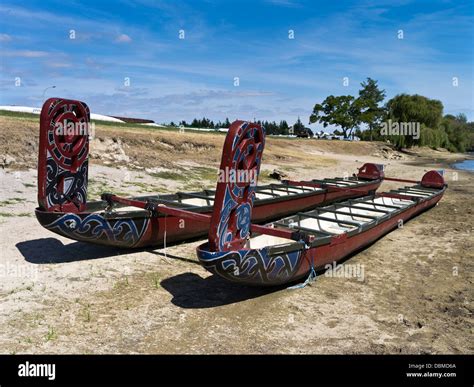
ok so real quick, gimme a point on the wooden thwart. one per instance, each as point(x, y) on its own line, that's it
point(319, 217)
point(363, 208)
point(376, 204)
point(351, 214)
point(313, 231)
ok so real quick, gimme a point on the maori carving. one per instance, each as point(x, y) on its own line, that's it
point(235, 193)
point(63, 155)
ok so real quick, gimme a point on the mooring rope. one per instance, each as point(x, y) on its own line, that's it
point(311, 277)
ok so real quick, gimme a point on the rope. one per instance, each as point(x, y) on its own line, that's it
point(311, 278)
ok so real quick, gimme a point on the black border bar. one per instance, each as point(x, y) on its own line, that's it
point(235, 369)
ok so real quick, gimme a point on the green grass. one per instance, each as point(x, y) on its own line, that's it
point(204, 173)
point(265, 175)
point(11, 201)
point(11, 215)
point(125, 125)
point(7, 113)
point(169, 175)
point(97, 188)
point(156, 281)
point(87, 313)
point(32, 116)
point(131, 125)
point(198, 173)
point(121, 284)
point(51, 335)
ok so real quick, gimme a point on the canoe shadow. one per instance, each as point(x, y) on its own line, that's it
point(52, 250)
point(189, 290)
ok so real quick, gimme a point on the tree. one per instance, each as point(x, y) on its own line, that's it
point(404, 108)
point(342, 111)
point(370, 97)
point(283, 127)
point(461, 117)
point(415, 108)
point(300, 130)
point(459, 132)
point(298, 126)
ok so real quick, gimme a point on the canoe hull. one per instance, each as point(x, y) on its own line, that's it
point(144, 230)
point(268, 267)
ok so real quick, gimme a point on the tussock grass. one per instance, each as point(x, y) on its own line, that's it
point(11, 201)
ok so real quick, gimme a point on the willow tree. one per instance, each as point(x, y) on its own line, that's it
point(414, 109)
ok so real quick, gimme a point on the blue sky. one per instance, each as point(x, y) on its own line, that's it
point(279, 78)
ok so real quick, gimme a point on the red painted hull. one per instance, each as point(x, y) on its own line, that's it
point(286, 263)
point(344, 246)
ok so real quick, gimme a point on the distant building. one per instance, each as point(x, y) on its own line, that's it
point(300, 132)
point(331, 136)
point(322, 135)
point(134, 120)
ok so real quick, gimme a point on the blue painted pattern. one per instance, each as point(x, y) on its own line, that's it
point(124, 232)
point(256, 267)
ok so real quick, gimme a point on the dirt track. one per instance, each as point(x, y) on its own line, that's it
point(61, 296)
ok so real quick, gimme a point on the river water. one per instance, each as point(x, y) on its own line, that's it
point(467, 165)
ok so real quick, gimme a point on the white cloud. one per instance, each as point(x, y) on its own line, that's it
point(26, 53)
point(284, 3)
point(123, 38)
point(5, 38)
point(58, 65)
